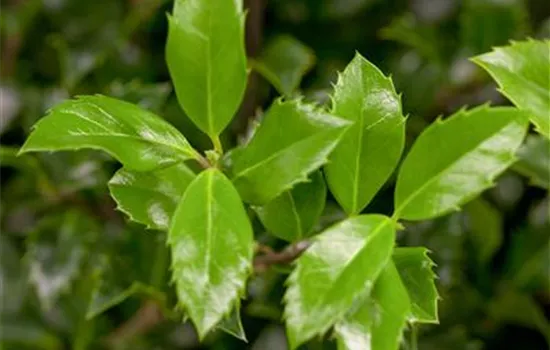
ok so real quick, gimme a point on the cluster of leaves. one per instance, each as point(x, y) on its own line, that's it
point(351, 278)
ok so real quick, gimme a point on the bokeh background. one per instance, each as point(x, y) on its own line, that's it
point(75, 274)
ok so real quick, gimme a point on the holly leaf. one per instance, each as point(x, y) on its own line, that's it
point(284, 62)
point(340, 265)
point(212, 247)
point(415, 269)
point(151, 197)
point(206, 59)
point(370, 149)
point(522, 72)
point(292, 215)
point(137, 138)
point(435, 179)
point(293, 140)
point(534, 160)
point(379, 321)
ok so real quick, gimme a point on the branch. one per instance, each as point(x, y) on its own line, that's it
point(286, 256)
point(146, 318)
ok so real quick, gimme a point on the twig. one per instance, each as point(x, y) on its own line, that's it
point(254, 36)
point(146, 318)
point(286, 256)
point(150, 314)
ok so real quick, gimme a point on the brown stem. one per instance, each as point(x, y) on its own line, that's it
point(146, 318)
point(150, 315)
point(254, 35)
point(286, 256)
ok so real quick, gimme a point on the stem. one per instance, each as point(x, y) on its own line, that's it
point(414, 337)
point(217, 145)
point(286, 256)
point(202, 161)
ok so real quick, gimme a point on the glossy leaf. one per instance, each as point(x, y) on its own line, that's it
point(341, 264)
point(206, 59)
point(292, 215)
point(523, 75)
point(534, 160)
point(370, 149)
point(436, 178)
point(293, 140)
point(233, 325)
point(485, 227)
point(379, 321)
point(137, 138)
point(151, 197)
point(415, 269)
point(284, 62)
point(212, 247)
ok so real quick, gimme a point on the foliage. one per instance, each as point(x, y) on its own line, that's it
point(333, 214)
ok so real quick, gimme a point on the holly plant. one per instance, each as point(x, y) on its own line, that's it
point(348, 279)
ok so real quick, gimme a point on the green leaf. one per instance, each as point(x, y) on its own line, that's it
point(534, 160)
point(57, 252)
point(212, 246)
point(436, 178)
point(379, 321)
point(137, 138)
point(523, 75)
point(340, 265)
point(284, 62)
point(485, 227)
point(415, 269)
point(151, 197)
point(292, 215)
point(233, 325)
point(206, 59)
point(293, 140)
point(370, 149)
point(488, 23)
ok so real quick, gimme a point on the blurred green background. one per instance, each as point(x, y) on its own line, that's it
point(74, 274)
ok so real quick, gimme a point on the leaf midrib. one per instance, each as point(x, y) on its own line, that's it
point(335, 284)
point(295, 213)
point(284, 150)
point(436, 176)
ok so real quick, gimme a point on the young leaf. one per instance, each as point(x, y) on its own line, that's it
point(212, 247)
point(137, 138)
point(415, 269)
point(485, 228)
point(151, 197)
point(534, 160)
point(293, 140)
point(206, 59)
point(523, 75)
point(341, 264)
point(370, 149)
point(292, 215)
point(284, 62)
point(379, 321)
point(436, 178)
